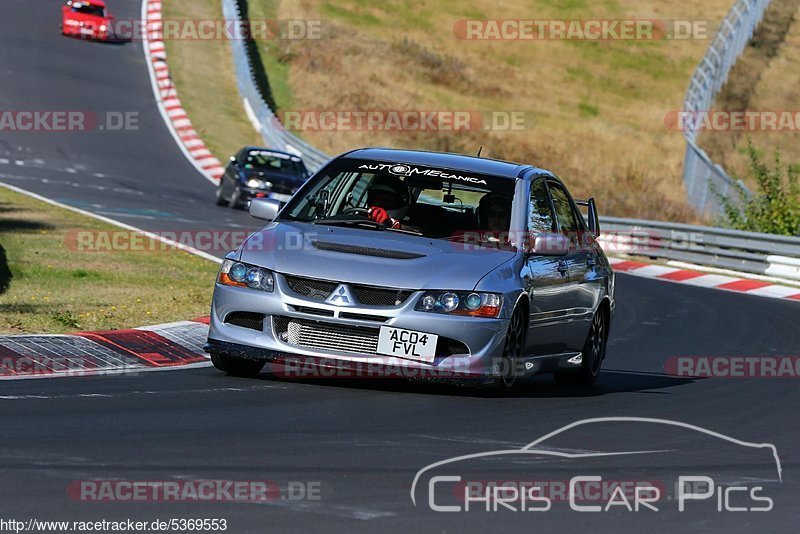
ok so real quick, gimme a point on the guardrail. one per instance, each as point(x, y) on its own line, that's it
point(259, 113)
point(699, 172)
point(750, 252)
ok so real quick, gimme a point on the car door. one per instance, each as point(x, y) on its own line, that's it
point(545, 279)
point(579, 298)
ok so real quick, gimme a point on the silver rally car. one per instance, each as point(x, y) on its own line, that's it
point(421, 265)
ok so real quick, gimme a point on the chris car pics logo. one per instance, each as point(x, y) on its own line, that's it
point(446, 486)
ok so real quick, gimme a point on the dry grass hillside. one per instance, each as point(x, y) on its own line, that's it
point(598, 107)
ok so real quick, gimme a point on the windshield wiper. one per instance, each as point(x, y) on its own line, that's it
point(351, 222)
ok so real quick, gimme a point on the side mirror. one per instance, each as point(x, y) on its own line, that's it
point(593, 219)
point(550, 244)
point(265, 208)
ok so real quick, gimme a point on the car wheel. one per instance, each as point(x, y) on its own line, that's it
point(512, 352)
point(594, 351)
point(220, 199)
point(236, 199)
point(236, 366)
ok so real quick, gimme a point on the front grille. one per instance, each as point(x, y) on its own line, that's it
point(367, 295)
point(253, 321)
point(285, 188)
point(363, 317)
point(309, 287)
point(327, 336)
point(313, 311)
point(379, 296)
point(345, 338)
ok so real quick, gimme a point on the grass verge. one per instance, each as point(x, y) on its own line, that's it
point(48, 286)
point(202, 71)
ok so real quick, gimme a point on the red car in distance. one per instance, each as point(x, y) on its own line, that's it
point(86, 19)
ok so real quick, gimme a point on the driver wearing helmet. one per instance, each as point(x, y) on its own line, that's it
point(389, 201)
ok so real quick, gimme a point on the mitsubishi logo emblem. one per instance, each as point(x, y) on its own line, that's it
point(341, 296)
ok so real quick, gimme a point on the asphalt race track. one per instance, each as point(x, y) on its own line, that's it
point(359, 444)
point(138, 177)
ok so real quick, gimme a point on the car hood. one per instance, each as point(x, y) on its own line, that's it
point(86, 18)
point(371, 257)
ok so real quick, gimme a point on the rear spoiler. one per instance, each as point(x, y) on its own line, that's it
point(593, 219)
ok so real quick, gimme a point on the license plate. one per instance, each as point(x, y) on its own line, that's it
point(407, 344)
point(86, 31)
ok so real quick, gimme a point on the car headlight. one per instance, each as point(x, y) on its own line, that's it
point(235, 273)
point(258, 184)
point(461, 303)
point(103, 27)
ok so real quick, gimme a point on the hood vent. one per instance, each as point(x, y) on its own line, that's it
point(366, 251)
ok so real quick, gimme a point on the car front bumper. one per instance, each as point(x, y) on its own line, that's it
point(93, 34)
point(468, 346)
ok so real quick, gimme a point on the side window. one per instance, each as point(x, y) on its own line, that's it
point(565, 215)
point(540, 216)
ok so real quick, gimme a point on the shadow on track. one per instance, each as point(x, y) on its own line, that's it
point(538, 387)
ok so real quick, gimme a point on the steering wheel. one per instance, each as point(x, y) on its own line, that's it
point(357, 210)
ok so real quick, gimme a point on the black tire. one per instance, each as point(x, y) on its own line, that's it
point(236, 199)
point(512, 353)
point(594, 352)
point(236, 366)
point(220, 199)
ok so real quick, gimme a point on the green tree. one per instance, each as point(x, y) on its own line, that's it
point(774, 208)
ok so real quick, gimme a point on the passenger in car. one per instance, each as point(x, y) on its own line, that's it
point(494, 215)
point(492, 225)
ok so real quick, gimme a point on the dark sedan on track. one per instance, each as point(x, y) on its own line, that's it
point(421, 264)
point(255, 172)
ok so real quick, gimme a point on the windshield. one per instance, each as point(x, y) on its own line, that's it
point(434, 203)
point(88, 9)
point(264, 161)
